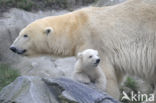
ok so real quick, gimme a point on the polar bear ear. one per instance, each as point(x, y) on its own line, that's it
point(79, 55)
point(48, 30)
point(96, 52)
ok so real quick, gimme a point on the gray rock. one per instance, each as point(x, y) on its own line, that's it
point(143, 86)
point(29, 89)
point(108, 2)
point(75, 92)
point(47, 67)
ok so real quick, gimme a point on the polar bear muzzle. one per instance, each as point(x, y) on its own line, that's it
point(15, 50)
point(97, 61)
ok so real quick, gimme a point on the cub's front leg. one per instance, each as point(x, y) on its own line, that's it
point(81, 77)
point(101, 83)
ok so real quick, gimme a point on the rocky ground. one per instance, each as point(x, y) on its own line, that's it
point(30, 89)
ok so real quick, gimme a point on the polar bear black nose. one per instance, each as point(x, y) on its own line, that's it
point(13, 49)
point(98, 60)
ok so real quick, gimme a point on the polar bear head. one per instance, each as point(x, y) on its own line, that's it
point(32, 40)
point(56, 35)
point(89, 58)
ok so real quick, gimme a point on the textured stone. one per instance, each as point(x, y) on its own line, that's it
point(30, 89)
point(27, 89)
point(71, 91)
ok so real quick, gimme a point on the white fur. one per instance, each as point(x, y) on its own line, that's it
point(87, 70)
point(124, 35)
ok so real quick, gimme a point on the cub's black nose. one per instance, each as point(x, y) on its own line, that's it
point(98, 60)
point(13, 49)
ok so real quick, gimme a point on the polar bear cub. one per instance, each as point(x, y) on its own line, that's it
point(87, 69)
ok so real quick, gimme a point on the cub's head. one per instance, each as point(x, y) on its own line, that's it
point(32, 40)
point(89, 57)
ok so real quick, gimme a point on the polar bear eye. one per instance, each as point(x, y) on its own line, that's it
point(90, 56)
point(25, 35)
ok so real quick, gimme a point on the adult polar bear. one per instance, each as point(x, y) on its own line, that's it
point(123, 34)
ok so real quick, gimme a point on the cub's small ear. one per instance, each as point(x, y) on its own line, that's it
point(79, 55)
point(96, 52)
point(48, 30)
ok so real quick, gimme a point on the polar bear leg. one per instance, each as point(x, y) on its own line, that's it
point(101, 84)
point(120, 77)
point(112, 86)
point(81, 77)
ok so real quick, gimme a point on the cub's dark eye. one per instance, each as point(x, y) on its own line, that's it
point(25, 35)
point(90, 56)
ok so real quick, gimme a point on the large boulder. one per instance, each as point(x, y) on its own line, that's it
point(28, 89)
point(46, 67)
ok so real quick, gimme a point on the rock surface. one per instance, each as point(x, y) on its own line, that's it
point(77, 92)
point(28, 89)
point(47, 67)
point(108, 2)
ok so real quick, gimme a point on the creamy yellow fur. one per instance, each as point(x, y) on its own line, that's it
point(123, 34)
